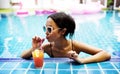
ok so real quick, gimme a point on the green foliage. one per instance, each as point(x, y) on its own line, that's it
point(109, 2)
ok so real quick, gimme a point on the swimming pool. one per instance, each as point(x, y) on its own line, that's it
point(101, 30)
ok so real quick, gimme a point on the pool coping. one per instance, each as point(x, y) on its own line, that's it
point(52, 59)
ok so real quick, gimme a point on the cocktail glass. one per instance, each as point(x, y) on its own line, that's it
point(38, 58)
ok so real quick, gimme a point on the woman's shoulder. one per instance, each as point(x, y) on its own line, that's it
point(47, 45)
point(75, 42)
point(79, 45)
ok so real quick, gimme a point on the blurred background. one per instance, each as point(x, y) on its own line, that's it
point(59, 5)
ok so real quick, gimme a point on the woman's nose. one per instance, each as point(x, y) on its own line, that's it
point(46, 33)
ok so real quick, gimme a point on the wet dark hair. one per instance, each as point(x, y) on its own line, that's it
point(64, 20)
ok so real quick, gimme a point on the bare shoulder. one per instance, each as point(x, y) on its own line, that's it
point(46, 46)
point(83, 47)
point(79, 44)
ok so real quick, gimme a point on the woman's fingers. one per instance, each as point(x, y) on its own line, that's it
point(37, 40)
point(72, 54)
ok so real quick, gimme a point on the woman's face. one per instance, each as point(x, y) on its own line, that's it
point(52, 30)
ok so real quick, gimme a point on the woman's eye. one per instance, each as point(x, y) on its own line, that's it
point(49, 30)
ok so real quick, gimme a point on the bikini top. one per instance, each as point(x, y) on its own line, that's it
point(51, 55)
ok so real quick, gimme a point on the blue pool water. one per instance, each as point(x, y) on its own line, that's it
point(101, 30)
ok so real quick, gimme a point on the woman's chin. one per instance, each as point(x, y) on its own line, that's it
point(48, 40)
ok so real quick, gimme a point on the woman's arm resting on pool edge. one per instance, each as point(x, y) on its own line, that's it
point(26, 54)
point(98, 57)
point(97, 54)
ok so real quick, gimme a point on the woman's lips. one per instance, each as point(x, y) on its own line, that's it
point(47, 37)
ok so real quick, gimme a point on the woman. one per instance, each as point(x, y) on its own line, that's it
point(58, 27)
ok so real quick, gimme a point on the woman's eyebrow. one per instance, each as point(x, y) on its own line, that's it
point(49, 25)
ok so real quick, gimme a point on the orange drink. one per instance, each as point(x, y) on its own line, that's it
point(38, 56)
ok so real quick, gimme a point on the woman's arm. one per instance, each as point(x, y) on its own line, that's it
point(98, 57)
point(26, 54)
point(97, 54)
point(36, 44)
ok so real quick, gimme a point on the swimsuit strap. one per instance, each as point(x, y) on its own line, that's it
point(51, 55)
point(72, 44)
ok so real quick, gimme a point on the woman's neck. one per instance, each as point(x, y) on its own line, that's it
point(61, 43)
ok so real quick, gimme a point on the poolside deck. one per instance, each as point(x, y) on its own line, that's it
point(58, 66)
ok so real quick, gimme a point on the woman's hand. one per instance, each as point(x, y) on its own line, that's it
point(73, 55)
point(37, 42)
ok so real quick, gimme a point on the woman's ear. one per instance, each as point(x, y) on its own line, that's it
point(63, 31)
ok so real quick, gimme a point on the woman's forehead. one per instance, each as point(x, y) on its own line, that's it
point(50, 22)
